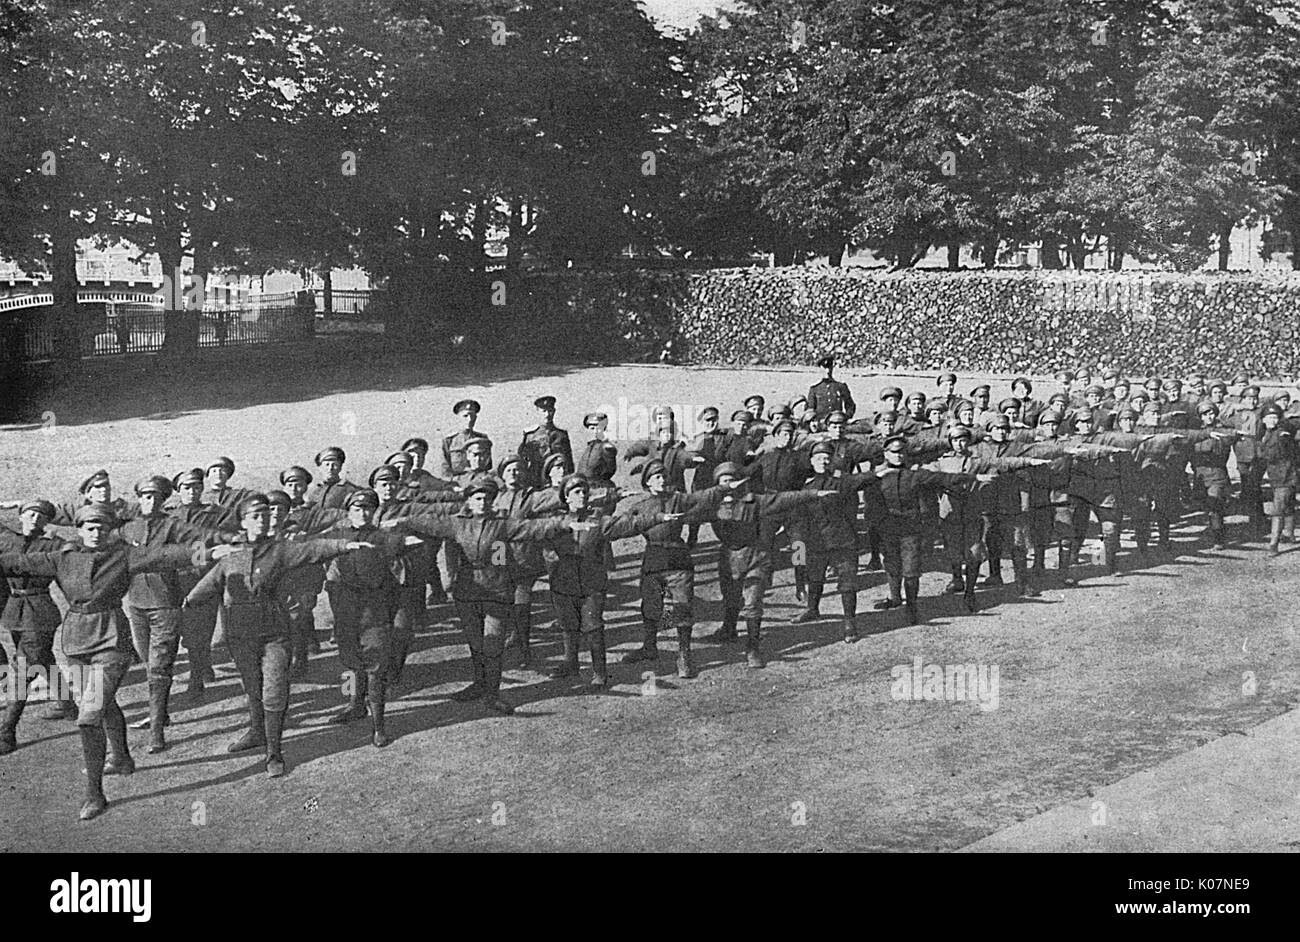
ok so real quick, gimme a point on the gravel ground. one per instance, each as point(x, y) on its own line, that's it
point(814, 752)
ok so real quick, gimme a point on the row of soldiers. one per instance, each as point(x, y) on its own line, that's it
point(140, 579)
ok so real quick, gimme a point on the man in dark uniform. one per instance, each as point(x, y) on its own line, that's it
point(331, 491)
point(198, 623)
point(1023, 390)
point(708, 445)
point(599, 460)
point(543, 440)
point(95, 489)
point(947, 383)
point(519, 500)
point(31, 619)
point(830, 395)
point(452, 458)
point(219, 490)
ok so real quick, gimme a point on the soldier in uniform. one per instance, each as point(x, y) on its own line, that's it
point(31, 619)
point(708, 445)
point(95, 489)
point(982, 396)
point(830, 395)
point(674, 455)
point(94, 577)
point(914, 408)
point(199, 622)
point(783, 467)
point(453, 457)
point(891, 401)
point(418, 449)
point(1023, 390)
point(543, 440)
point(153, 600)
point(1246, 420)
point(947, 383)
point(599, 460)
point(1279, 457)
point(1210, 466)
point(331, 491)
point(519, 500)
point(248, 583)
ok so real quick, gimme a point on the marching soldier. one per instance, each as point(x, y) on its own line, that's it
point(674, 455)
point(518, 500)
point(543, 440)
point(95, 489)
point(830, 395)
point(1246, 420)
point(248, 583)
point(1210, 467)
point(31, 618)
point(1279, 457)
point(300, 587)
point(219, 492)
point(199, 622)
point(708, 445)
point(331, 491)
point(94, 577)
point(454, 457)
point(599, 460)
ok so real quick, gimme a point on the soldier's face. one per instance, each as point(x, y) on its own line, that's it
point(739, 426)
point(755, 409)
point(1094, 399)
point(966, 415)
point(577, 498)
point(998, 433)
point(1270, 420)
point(664, 436)
point(1283, 400)
point(1218, 394)
point(1083, 425)
point(190, 494)
point(478, 503)
point(960, 444)
point(479, 459)
point(1020, 391)
point(916, 408)
point(275, 517)
point(982, 400)
point(547, 416)
point(656, 483)
point(360, 516)
point(556, 474)
point(727, 480)
point(894, 457)
point(256, 523)
point(417, 458)
point(892, 403)
point(1120, 390)
point(331, 469)
point(217, 477)
point(710, 423)
point(511, 474)
point(92, 534)
point(1198, 387)
point(33, 521)
point(949, 387)
point(827, 371)
point(820, 462)
point(1049, 429)
point(1128, 423)
point(386, 490)
point(295, 488)
point(149, 502)
point(100, 494)
point(934, 416)
point(783, 438)
point(1250, 402)
point(1209, 417)
point(1011, 414)
point(836, 430)
point(467, 418)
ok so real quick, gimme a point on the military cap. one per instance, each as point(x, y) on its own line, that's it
point(650, 469)
point(362, 497)
point(741, 414)
point(279, 498)
point(1172, 383)
point(755, 398)
point(1271, 409)
point(1241, 379)
point(506, 462)
point(1218, 384)
point(1127, 412)
point(1249, 391)
point(100, 477)
point(785, 425)
point(400, 457)
point(1096, 389)
point(837, 418)
point(796, 402)
point(1206, 406)
point(891, 414)
point(223, 462)
point(982, 388)
point(154, 484)
point(1151, 382)
point(1083, 416)
point(779, 412)
point(295, 473)
point(727, 467)
point(1064, 376)
point(385, 472)
point(488, 486)
point(551, 461)
point(1282, 394)
point(823, 448)
point(916, 395)
point(708, 412)
point(594, 419)
point(43, 507)
point(466, 405)
point(192, 476)
point(416, 444)
point(333, 453)
point(663, 410)
point(891, 391)
point(545, 402)
point(936, 405)
point(960, 431)
point(1110, 373)
point(808, 415)
point(945, 377)
point(1082, 372)
point(895, 439)
point(1058, 397)
point(998, 420)
point(1139, 395)
point(574, 480)
point(479, 444)
point(959, 404)
point(1022, 381)
point(1006, 404)
point(95, 513)
point(251, 503)
point(1049, 415)
point(828, 361)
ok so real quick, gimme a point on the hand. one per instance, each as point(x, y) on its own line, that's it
point(1039, 462)
point(670, 518)
point(986, 478)
point(827, 493)
point(389, 524)
point(222, 551)
point(412, 541)
point(358, 545)
point(577, 525)
point(737, 482)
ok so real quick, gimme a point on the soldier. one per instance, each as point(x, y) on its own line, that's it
point(1210, 466)
point(248, 583)
point(153, 600)
point(1278, 455)
point(891, 400)
point(300, 587)
point(599, 460)
point(543, 440)
point(947, 383)
point(830, 395)
point(674, 455)
point(914, 408)
point(782, 467)
point(667, 570)
point(94, 577)
point(736, 445)
point(331, 491)
point(579, 572)
point(483, 590)
point(199, 622)
point(1022, 389)
point(453, 457)
point(1246, 420)
point(830, 535)
point(1178, 412)
point(95, 489)
point(901, 520)
point(708, 445)
point(746, 525)
point(982, 395)
point(1066, 380)
point(1110, 378)
point(518, 500)
point(31, 620)
point(418, 449)
point(1012, 408)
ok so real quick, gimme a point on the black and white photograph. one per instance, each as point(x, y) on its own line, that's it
point(651, 426)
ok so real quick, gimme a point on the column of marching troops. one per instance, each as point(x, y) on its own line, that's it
point(812, 482)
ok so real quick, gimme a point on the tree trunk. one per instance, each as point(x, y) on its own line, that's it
point(954, 256)
point(327, 288)
point(991, 252)
point(63, 265)
point(478, 236)
point(515, 238)
point(1115, 252)
point(168, 246)
point(1049, 256)
point(835, 257)
point(1225, 245)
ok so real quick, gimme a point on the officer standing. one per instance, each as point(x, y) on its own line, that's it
point(599, 460)
point(452, 458)
point(830, 395)
point(543, 440)
point(331, 491)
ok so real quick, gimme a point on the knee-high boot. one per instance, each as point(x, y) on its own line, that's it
point(685, 669)
point(849, 602)
point(753, 643)
point(1024, 584)
point(119, 760)
point(599, 669)
point(895, 594)
point(94, 747)
point(376, 698)
point(477, 687)
point(813, 610)
point(273, 726)
point(492, 684)
point(1040, 560)
point(13, 711)
point(356, 708)
point(569, 666)
point(727, 630)
point(1288, 528)
point(159, 690)
point(649, 650)
point(255, 736)
point(1064, 556)
point(912, 588)
point(800, 583)
point(968, 596)
point(1275, 536)
point(956, 585)
point(523, 631)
